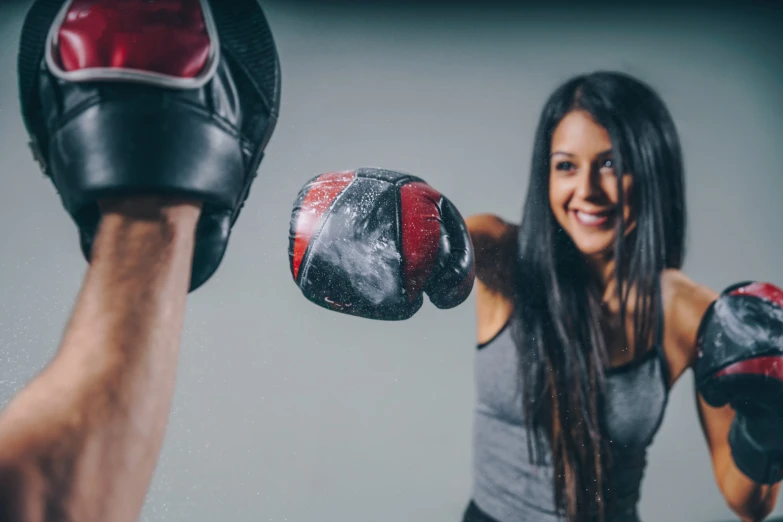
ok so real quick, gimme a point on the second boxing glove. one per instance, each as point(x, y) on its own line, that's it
point(371, 242)
point(740, 362)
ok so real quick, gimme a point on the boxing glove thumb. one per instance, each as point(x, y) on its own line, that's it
point(451, 281)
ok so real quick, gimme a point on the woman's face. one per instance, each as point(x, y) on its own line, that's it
point(583, 185)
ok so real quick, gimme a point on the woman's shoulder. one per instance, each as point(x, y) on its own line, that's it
point(495, 248)
point(490, 226)
point(491, 233)
point(685, 302)
point(685, 293)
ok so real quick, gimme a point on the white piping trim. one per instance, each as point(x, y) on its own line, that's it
point(101, 74)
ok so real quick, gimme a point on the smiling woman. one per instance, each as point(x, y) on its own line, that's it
point(579, 334)
point(583, 188)
point(585, 320)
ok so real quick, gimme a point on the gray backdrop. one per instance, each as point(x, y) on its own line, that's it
point(286, 412)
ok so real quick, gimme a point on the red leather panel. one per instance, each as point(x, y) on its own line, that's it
point(165, 36)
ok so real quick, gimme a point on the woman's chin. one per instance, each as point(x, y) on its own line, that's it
point(596, 250)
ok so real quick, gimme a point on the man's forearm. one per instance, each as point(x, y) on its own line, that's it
point(103, 402)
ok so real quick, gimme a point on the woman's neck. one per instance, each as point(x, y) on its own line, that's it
point(603, 270)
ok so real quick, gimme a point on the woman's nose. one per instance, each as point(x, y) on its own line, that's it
point(587, 182)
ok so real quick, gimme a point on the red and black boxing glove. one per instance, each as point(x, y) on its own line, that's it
point(176, 98)
point(371, 242)
point(740, 363)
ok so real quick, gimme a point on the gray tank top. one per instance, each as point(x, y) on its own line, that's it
point(507, 486)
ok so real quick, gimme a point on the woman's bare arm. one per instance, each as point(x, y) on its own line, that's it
point(688, 302)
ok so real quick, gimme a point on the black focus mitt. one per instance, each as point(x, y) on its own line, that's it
point(176, 98)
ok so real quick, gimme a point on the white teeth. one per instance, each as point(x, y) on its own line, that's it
point(589, 219)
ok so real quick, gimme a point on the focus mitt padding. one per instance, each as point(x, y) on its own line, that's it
point(176, 98)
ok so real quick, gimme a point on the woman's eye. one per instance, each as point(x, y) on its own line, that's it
point(608, 165)
point(565, 165)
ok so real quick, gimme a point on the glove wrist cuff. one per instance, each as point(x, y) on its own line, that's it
point(759, 463)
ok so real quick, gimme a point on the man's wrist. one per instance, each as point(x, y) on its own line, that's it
point(147, 222)
point(150, 208)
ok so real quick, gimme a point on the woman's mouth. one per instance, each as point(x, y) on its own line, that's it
point(592, 219)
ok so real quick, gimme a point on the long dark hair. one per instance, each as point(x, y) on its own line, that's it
point(563, 352)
